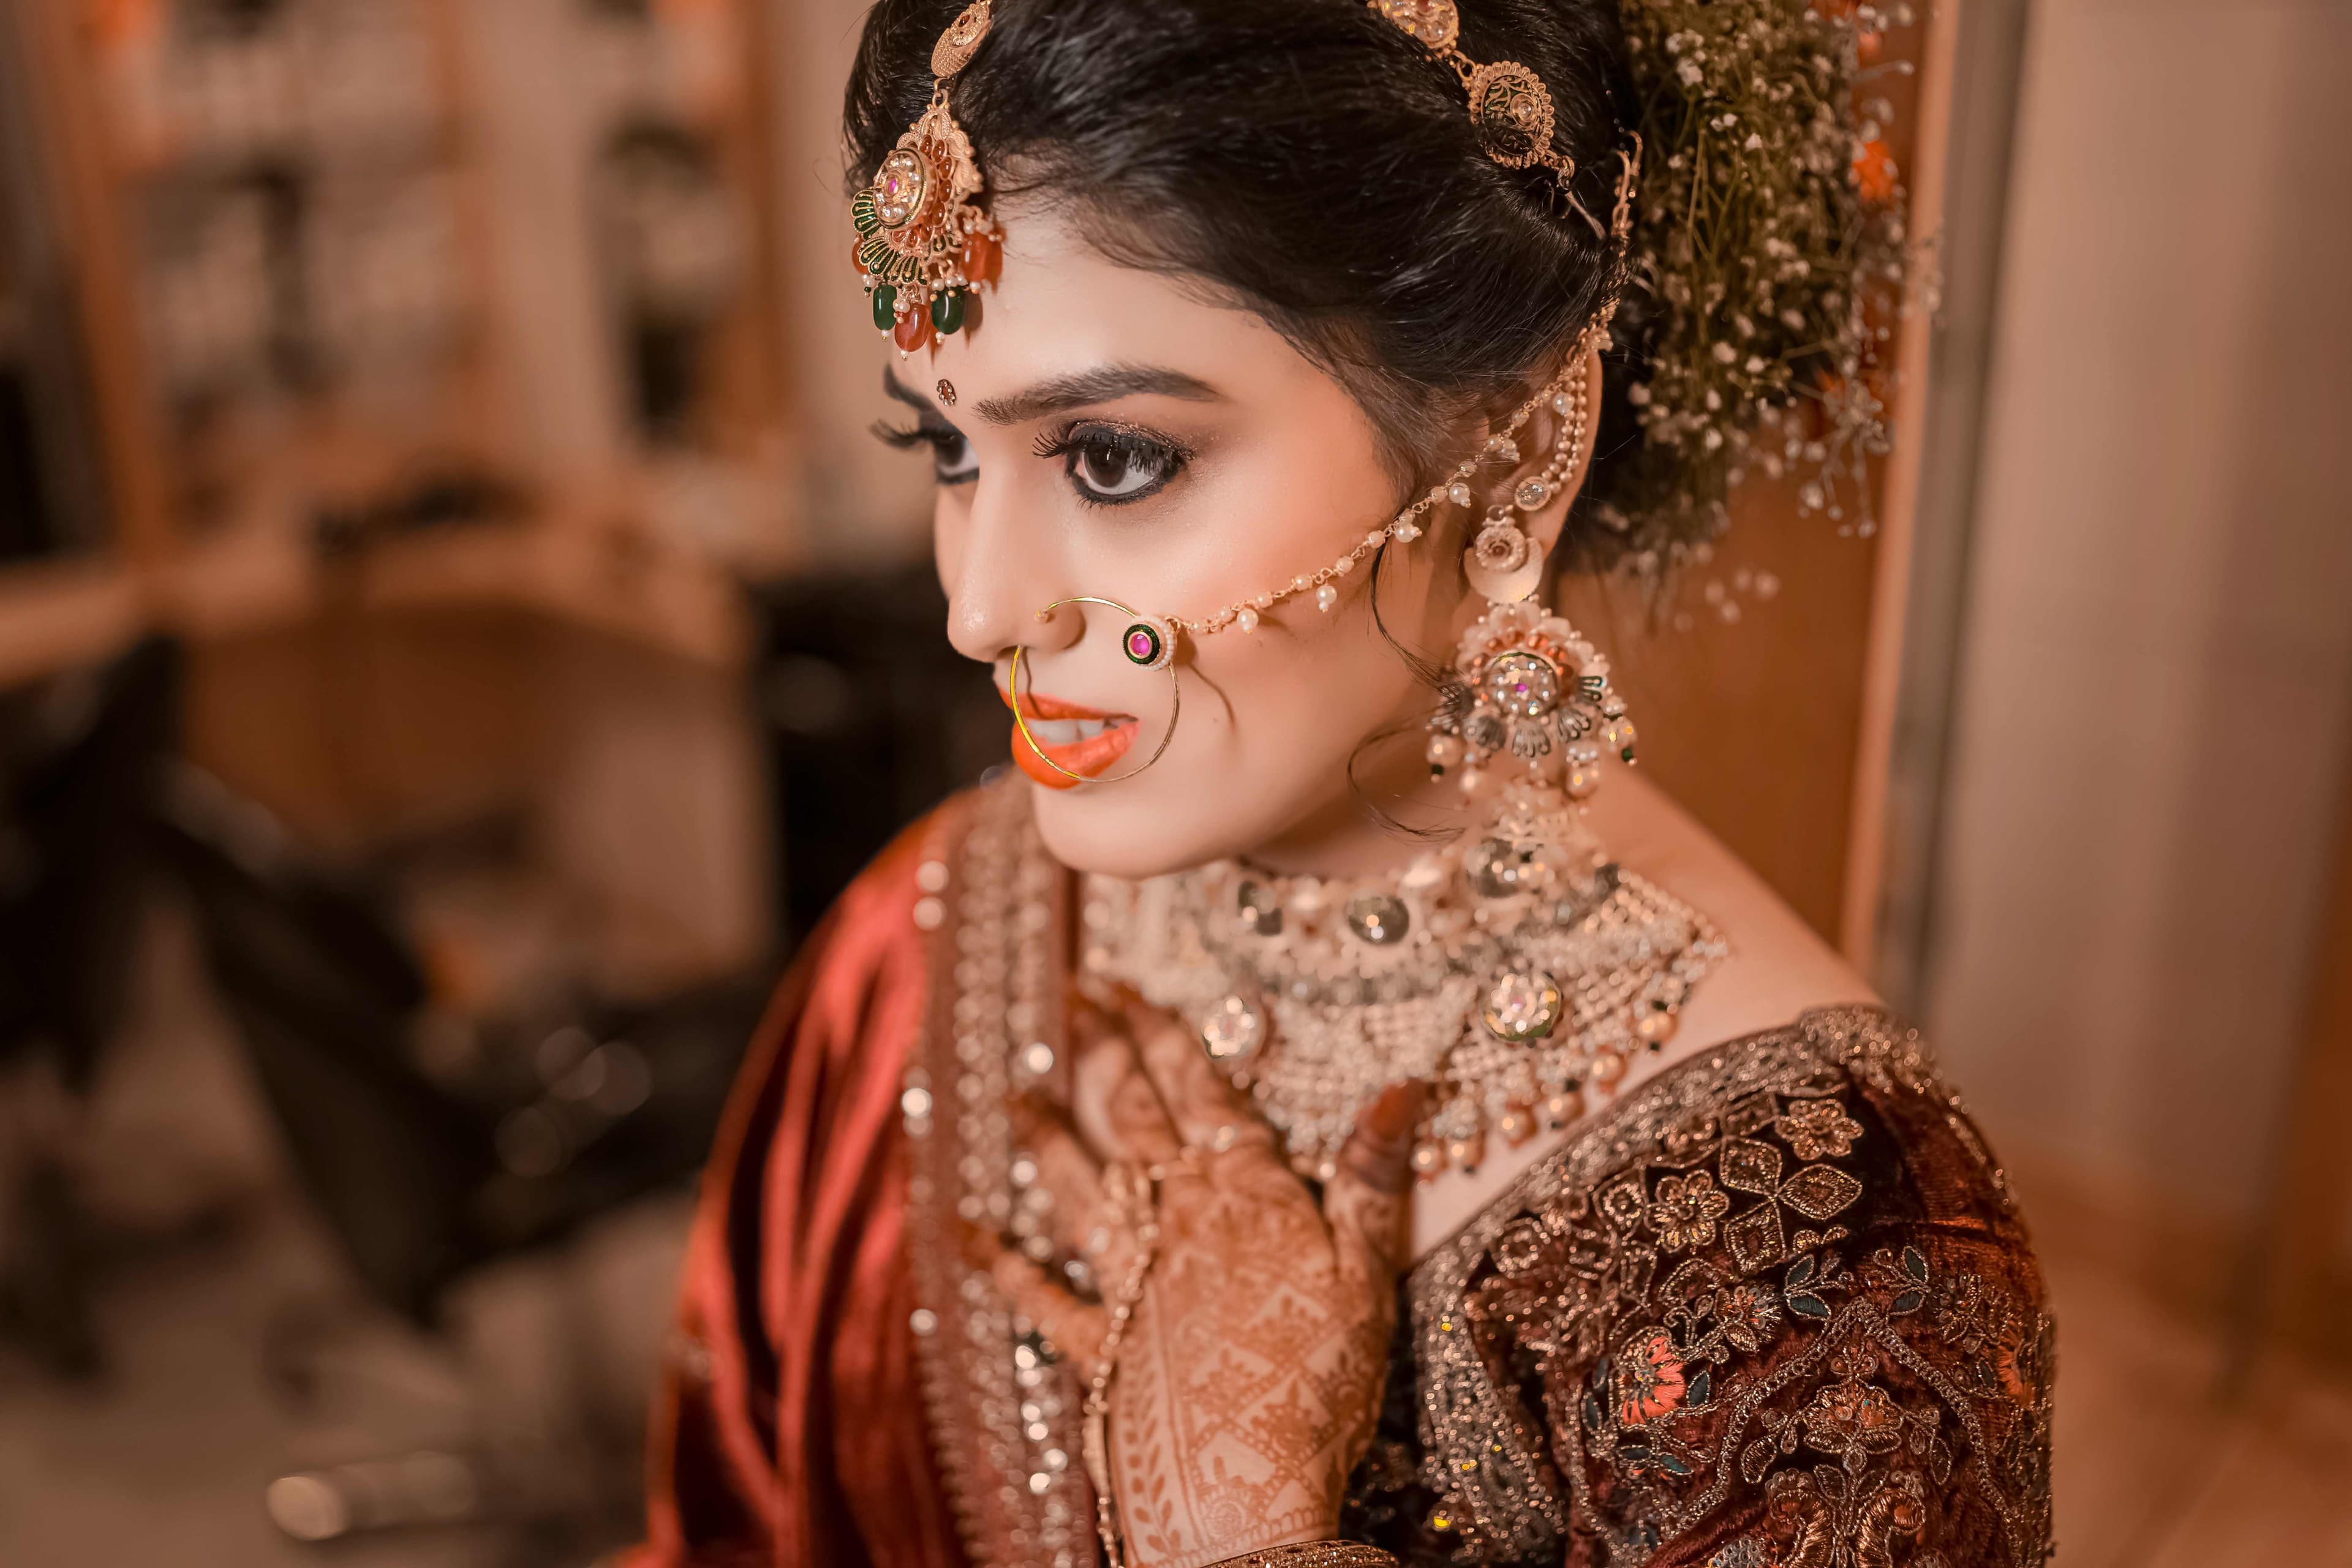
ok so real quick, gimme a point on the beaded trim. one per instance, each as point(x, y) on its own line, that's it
point(1004, 1410)
point(1313, 1555)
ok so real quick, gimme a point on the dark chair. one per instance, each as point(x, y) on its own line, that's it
point(871, 718)
point(79, 760)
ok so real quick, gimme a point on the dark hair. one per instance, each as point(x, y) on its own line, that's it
point(1306, 157)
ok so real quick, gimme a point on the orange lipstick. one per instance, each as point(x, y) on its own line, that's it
point(1085, 741)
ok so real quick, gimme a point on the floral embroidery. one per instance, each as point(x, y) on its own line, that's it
point(1817, 1192)
point(1543, 1293)
point(1851, 1419)
point(1818, 1128)
point(2027, 1365)
point(1819, 1518)
point(1649, 1382)
point(1685, 1209)
point(1972, 1315)
point(1868, 1406)
point(1690, 1141)
point(1748, 1313)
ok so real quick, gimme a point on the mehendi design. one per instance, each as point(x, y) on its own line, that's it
point(1206, 1460)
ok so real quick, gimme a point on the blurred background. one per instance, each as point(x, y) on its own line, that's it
point(456, 636)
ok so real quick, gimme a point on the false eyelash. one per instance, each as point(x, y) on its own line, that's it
point(945, 442)
point(1062, 440)
point(907, 437)
point(1066, 441)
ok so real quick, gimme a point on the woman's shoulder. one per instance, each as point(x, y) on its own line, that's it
point(1777, 1297)
point(1777, 966)
point(864, 966)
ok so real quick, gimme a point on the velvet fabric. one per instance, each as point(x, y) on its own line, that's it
point(1773, 1308)
point(789, 1428)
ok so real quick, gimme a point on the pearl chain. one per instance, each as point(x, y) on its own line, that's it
point(1404, 528)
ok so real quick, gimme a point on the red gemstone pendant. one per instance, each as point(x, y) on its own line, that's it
point(982, 254)
point(913, 331)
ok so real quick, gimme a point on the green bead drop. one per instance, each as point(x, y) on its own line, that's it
point(885, 306)
point(947, 311)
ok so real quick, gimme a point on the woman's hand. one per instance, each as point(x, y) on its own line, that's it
point(1249, 1378)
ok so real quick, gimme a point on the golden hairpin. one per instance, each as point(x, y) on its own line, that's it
point(1511, 110)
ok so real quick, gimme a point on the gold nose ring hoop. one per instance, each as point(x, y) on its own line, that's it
point(1147, 641)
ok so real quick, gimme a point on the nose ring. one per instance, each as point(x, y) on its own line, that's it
point(1148, 642)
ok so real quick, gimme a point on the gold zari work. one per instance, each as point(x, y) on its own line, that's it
point(1772, 1309)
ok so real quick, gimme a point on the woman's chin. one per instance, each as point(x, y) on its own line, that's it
point(1131, 833)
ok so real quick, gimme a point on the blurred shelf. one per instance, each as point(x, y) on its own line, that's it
point(613, 581)
point(226, 428)
point(172, 156)
point(57, 616)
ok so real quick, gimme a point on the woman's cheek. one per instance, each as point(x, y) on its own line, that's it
point(1301, 705)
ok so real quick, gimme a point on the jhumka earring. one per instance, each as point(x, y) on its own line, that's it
point(1148, 642)
point(1523, 681)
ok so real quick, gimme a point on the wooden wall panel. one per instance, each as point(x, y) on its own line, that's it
point(1775, 728)
point(1754, 723)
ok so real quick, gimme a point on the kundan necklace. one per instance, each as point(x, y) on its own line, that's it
point(1520, 972)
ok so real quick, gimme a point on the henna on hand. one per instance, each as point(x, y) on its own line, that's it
point(1251, 1375)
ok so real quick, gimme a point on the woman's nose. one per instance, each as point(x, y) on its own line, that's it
point(997, 576)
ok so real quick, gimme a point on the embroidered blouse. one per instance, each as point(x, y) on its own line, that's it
point(1773, 1308)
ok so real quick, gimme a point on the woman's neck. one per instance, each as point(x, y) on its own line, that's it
point(1379, 824)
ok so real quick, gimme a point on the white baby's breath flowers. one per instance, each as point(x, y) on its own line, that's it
point(1769, 264)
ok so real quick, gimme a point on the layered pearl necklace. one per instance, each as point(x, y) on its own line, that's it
point(1518, 971)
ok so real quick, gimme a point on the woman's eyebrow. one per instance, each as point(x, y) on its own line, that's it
point(1081, 389)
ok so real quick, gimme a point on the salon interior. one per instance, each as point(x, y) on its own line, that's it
point(456, 636)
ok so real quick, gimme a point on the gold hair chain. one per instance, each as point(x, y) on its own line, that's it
point(1511, 110)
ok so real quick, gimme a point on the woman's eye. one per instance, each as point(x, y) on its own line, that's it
point(953, 462)
point(1112, 467)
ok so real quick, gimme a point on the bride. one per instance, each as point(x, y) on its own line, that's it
point(1319, 1107)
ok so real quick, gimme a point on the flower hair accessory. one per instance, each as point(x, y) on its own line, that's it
point(923, 243)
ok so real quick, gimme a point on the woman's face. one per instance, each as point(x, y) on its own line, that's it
point(1108, 432)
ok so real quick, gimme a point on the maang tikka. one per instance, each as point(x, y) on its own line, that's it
point(923, 242)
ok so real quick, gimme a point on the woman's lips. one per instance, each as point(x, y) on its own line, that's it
point(1085, 741)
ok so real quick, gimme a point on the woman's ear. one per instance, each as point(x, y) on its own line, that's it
point(1509, 556)
point(1543, 526)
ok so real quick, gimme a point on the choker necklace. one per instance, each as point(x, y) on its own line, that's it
point(1518, 971)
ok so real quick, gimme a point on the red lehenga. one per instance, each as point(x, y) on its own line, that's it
point(1773, 1308)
